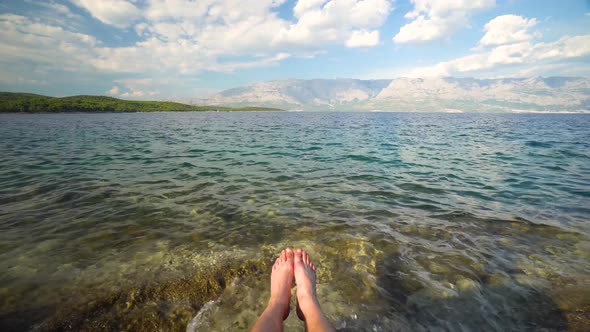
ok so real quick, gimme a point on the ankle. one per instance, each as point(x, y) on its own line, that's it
point(306, 295)
point(277, 303)
point(307, 303)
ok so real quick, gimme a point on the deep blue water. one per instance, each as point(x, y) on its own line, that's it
point(418, 221)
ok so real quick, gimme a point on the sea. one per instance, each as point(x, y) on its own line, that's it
point(415, 221)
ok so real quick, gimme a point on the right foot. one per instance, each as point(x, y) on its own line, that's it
point(281, 279)
point(305, 278)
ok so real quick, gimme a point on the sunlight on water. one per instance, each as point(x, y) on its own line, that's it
point(416, 221)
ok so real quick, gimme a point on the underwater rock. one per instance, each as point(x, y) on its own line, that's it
point(583, 249)
point(435, 267)
point(498, 280)
point(166, 305)
point(465, 284)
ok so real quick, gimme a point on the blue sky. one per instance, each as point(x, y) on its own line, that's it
point(167, 49)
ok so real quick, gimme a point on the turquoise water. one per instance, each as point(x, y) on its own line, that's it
point(170, 221)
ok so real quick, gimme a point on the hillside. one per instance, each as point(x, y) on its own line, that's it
point(32, 103)
point(536, 94)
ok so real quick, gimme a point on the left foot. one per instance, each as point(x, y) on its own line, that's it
point(281, 279)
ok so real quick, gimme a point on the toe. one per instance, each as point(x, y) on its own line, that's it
point(298, 257)
point(283, 256)
point(289, 254)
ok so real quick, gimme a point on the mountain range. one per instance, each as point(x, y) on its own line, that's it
point(533, 94)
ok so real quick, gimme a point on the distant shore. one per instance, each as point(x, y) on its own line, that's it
point(32, 103)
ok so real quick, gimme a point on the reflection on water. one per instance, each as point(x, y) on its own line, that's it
point(416, 221)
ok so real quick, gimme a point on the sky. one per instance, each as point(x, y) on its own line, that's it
point(172, 49)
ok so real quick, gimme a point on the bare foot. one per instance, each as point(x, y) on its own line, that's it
point(281, 280)
point(305, 278)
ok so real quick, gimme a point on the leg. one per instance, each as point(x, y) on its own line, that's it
point(277, 309)
point(308, 307)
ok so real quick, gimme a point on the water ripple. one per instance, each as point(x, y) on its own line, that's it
point(422, 221)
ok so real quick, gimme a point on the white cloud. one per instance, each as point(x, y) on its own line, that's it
point(56, 7)
point(518, 57)
point(190, 36)
point(136, 88)
point(228, 10)
point(50, 46)
point(114, 91)
point(118, 13)
point(303, 6)
point(142, 87)
point(566, 47)
point(435, 19)
point(262, 62)
point(547, 69)
point(512, 53)
point(341, 15)
point(508, 29)
point(136, 94)
point(187, 37)
point(363, 38)
point(229, 27)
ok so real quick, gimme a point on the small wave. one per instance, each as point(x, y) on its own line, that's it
point(200, 321)
point(282, 154)
point(503, 156)
point(579, 192)
point(524, 185)
point(554, 168)
point(474, 194)
point(311, 148)
point(367, 177)
point(282, 178)
point(415, 187)
point(537, 144)
point(68, 196)
point(187, 165)
point(379, 194)
point(364, 158)
point(211, 174)
point(569, 153)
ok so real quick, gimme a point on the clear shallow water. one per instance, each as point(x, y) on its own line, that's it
point(416, 221)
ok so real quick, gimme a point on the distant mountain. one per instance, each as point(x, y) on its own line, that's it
point(300, 94)
point(538, 94)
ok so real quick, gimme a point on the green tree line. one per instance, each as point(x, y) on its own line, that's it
point(32, 103)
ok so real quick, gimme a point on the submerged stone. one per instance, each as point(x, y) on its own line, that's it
point(168, 305)
point(498, 280)
point(583, 249)
point(465, 284)
point(438, 268)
